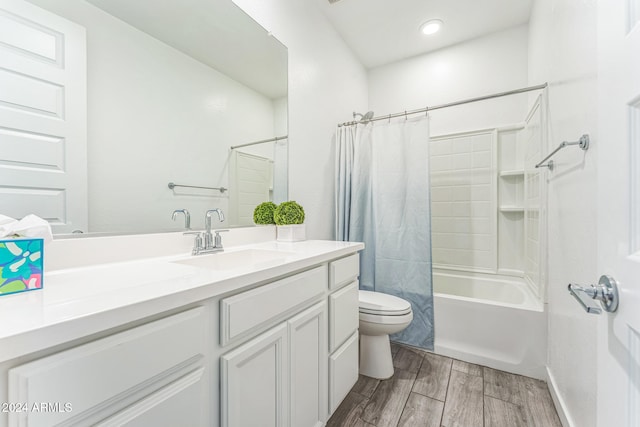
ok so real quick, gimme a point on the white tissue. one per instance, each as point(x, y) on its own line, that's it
point(29, 226)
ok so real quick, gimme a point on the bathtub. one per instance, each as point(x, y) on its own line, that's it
point(494, 321)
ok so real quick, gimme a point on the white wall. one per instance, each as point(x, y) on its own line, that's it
point(326, 83)
point(156, 115)
point(490, 64)
point(563, 52)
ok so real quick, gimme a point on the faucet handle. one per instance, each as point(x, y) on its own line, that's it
point(218, 238)
point(197, 243)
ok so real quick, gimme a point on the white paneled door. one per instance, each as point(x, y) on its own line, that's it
point(250, 179)
point(43, 106)
point(618, 153)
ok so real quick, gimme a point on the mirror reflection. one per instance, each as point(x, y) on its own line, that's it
point(256, 175)
point(169, 88)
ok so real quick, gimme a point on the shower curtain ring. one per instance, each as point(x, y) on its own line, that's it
point(389, 118)
point(405, 115)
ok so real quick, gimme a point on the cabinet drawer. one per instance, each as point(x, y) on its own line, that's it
point(263, 306)
point(106, 375)
point(343, 371)
point(343, 315)
point(343, 271)
point(177, 404)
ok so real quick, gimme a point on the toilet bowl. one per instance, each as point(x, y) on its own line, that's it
point(380, 315)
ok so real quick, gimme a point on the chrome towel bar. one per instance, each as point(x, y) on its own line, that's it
point(583, 143)
point(171, 186)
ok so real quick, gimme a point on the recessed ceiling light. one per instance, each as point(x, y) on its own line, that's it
point(431, 27)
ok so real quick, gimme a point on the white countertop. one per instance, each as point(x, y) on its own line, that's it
point(77, 302)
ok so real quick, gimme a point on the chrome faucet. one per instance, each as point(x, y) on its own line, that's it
point(208, 237)
point(209, 244)
point(187, 217)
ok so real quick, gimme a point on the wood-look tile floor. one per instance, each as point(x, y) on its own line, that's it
point(436, 391)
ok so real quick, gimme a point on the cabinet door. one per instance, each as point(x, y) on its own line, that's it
point(253, 382)
point(308, 367)
point(343, 371)
point(343, 315)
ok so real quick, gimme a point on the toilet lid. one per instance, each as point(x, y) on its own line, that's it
point(383, 304)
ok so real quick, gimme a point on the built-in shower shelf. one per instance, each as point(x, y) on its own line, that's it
point(511, 208)
point(518, 172)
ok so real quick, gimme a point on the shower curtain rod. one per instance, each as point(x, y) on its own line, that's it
point(276, 139)
point(450, 104)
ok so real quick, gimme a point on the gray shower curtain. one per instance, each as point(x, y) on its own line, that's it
point(382, 199)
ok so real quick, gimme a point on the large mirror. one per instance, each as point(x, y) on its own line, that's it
point(171, 87)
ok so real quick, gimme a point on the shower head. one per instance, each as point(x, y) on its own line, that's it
point(364, 118)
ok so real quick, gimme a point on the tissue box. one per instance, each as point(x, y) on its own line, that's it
point(21, 265)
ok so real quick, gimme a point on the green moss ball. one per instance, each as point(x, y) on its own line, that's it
point(288, 213)
point(263, 213)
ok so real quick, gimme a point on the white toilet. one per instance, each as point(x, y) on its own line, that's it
point(380, 315)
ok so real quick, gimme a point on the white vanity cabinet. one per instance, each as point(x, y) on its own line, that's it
point(136, 377)
point(280, 350)
point(298, 371)
point(279, 377)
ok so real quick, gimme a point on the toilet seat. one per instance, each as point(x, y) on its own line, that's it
point(379, 304)
point(385, 319)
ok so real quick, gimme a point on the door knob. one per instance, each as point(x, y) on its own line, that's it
point(606, 291)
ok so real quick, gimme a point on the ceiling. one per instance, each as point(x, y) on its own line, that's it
point(384, 31)
point(216, 33)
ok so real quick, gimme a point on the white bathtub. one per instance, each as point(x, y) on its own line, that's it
point(490, 320)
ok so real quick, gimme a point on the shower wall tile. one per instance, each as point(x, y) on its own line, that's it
point(460, 209)
point(461, 146)
point(480, 192)
point(481, 225)
point(443, 163)
point(463, 200)
point(484, 176)
point(481, 145)
point(482, 209)
point(462, 225)
point(441, 209)
point(482, 160)
point(461, 193)
point(462, 161)
point(439, 148)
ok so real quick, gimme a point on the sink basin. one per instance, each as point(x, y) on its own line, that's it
point(248, 258)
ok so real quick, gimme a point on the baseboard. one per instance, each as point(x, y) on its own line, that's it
point(558, 401)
